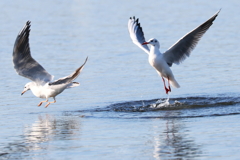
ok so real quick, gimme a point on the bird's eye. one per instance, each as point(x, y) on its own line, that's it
point(151, 41)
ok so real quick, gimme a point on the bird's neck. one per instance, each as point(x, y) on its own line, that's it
point(154, 50)
point(38, 91)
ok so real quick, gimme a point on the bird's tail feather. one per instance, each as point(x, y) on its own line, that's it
point(174, 83)
point(73, 84)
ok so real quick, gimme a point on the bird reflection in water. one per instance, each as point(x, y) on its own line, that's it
point(48, 128)
point(174, 142)
point(38, 135)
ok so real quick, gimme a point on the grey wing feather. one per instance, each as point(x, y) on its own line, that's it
point(136, 34)
point(69, 78)
point(23, 62)
point(183, 47)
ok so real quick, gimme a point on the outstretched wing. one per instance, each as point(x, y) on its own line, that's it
point(136, 34)
point(23, 62)
point(69, 78)
point(183, 47)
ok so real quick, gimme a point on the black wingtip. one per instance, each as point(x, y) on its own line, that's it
point(86, 60)
point(28, 25)
point(218, 12)
point(26, 28)
point(28, 22)
point(214, 16)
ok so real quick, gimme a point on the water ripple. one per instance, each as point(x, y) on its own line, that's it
point(183, 107)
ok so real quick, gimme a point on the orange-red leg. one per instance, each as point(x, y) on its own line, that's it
point(50, 103)
point(169, 88)
point(42, 102)
point(166, 89)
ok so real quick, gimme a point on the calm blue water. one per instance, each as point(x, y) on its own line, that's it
point(118, 112)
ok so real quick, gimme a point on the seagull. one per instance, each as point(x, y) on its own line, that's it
point(42, 84)
point(177, 53)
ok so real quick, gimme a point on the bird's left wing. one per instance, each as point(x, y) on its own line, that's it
point(69, 78)
point(23, 62)
point(136, 34)
point(183, 47)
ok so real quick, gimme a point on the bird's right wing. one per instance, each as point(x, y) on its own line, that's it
point(23, 62)
point(69, 78)
point(183, 47)
point(136, 34)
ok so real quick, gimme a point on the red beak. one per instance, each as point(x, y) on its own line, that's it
point(145, 43)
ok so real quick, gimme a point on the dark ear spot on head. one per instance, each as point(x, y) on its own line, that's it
point(156, 41)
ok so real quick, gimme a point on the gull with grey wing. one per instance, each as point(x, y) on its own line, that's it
point(175, 54)
point(42, 85)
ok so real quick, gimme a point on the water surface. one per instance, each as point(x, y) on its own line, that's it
point(120, 111)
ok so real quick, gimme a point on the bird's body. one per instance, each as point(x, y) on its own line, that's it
point(175, 54)
point(42, 84)
point(46, 91)
point(157, 61)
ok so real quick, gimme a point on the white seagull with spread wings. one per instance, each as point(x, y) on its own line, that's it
point(175, 54)
point(42, 85)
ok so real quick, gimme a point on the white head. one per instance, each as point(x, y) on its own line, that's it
point(153, 42)
point(27, 87)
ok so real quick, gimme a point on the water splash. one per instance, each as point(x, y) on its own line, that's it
point(160, 103)
point(143, 104)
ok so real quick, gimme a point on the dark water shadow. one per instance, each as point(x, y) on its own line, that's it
point(173, 104)
point(192, 107)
